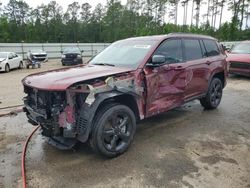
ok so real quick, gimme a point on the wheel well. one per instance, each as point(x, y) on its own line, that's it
point(125, 99)
point(221, 76)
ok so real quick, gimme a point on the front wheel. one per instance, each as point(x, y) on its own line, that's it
point(113, 130)
point(7, 68)
point(214, 95)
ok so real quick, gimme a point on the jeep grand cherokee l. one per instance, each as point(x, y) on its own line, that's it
point(130, 80)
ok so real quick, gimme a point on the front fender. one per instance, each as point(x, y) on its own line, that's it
point(87, 114)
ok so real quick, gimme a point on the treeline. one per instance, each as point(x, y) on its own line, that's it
point(80, 22)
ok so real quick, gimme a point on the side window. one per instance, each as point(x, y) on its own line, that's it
point(211, 47)
point(192, 49)
point(172, 50)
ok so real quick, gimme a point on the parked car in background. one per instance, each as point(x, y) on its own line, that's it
point(239, 59)
point(129, 81)
point(37, 55)
point(10, 60)
point(72, 56)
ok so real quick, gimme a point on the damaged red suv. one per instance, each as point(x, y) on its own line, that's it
point(130, 80)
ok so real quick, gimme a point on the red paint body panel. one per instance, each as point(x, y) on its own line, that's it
point(241, 64)
point(61, 79)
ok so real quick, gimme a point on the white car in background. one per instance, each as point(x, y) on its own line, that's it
point(10, 60)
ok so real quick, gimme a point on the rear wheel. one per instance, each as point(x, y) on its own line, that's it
point(113, 130)
point(214, 95)
point(7, 68)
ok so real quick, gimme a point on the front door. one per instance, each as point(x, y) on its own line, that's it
point(166, 83)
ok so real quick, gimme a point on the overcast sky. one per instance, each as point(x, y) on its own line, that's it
point(93, 3)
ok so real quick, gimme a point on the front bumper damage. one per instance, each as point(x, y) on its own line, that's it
point(66, 117)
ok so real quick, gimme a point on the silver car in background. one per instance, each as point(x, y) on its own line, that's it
point(37, 55)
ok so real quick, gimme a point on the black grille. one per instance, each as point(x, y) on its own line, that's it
point(239, 65)
point(40, 55)
point(71, 56)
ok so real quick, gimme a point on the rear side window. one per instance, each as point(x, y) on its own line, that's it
point(192, 49)
point(172, 50)
point(211, 47)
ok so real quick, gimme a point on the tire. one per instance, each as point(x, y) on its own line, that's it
point(7, 68)
point(20, 65)
point(214, 95)
point(113, 130)
point(27, 66)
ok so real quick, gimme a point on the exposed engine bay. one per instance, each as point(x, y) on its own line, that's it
point(66, 116)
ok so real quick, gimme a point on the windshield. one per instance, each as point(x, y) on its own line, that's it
point(71, 50)
point(126, 53)
point(37, 51)
point(3, 55)
point(243, 48)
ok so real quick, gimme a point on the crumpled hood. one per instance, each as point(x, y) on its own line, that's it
point(239, 57)
point(61, 79)
point(2, 59)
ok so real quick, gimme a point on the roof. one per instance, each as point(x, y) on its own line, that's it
point(170, 35)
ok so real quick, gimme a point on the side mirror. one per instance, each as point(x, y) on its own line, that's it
point(82, 51)
point(158, 59)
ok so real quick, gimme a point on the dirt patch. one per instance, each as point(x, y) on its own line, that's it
point(213, 159)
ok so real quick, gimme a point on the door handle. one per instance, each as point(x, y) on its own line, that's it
point(179, 68)
point(208, 62)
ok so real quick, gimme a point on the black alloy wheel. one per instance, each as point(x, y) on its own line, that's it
point(113, 130)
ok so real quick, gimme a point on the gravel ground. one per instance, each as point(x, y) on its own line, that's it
point(185, 147)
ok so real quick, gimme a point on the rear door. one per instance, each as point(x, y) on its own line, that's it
point(197, 67)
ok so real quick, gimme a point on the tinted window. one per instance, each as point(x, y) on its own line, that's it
point(192, 49)
point(211, 47)
point(172, 50)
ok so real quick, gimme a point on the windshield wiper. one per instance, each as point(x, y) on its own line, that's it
point(105, 64)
